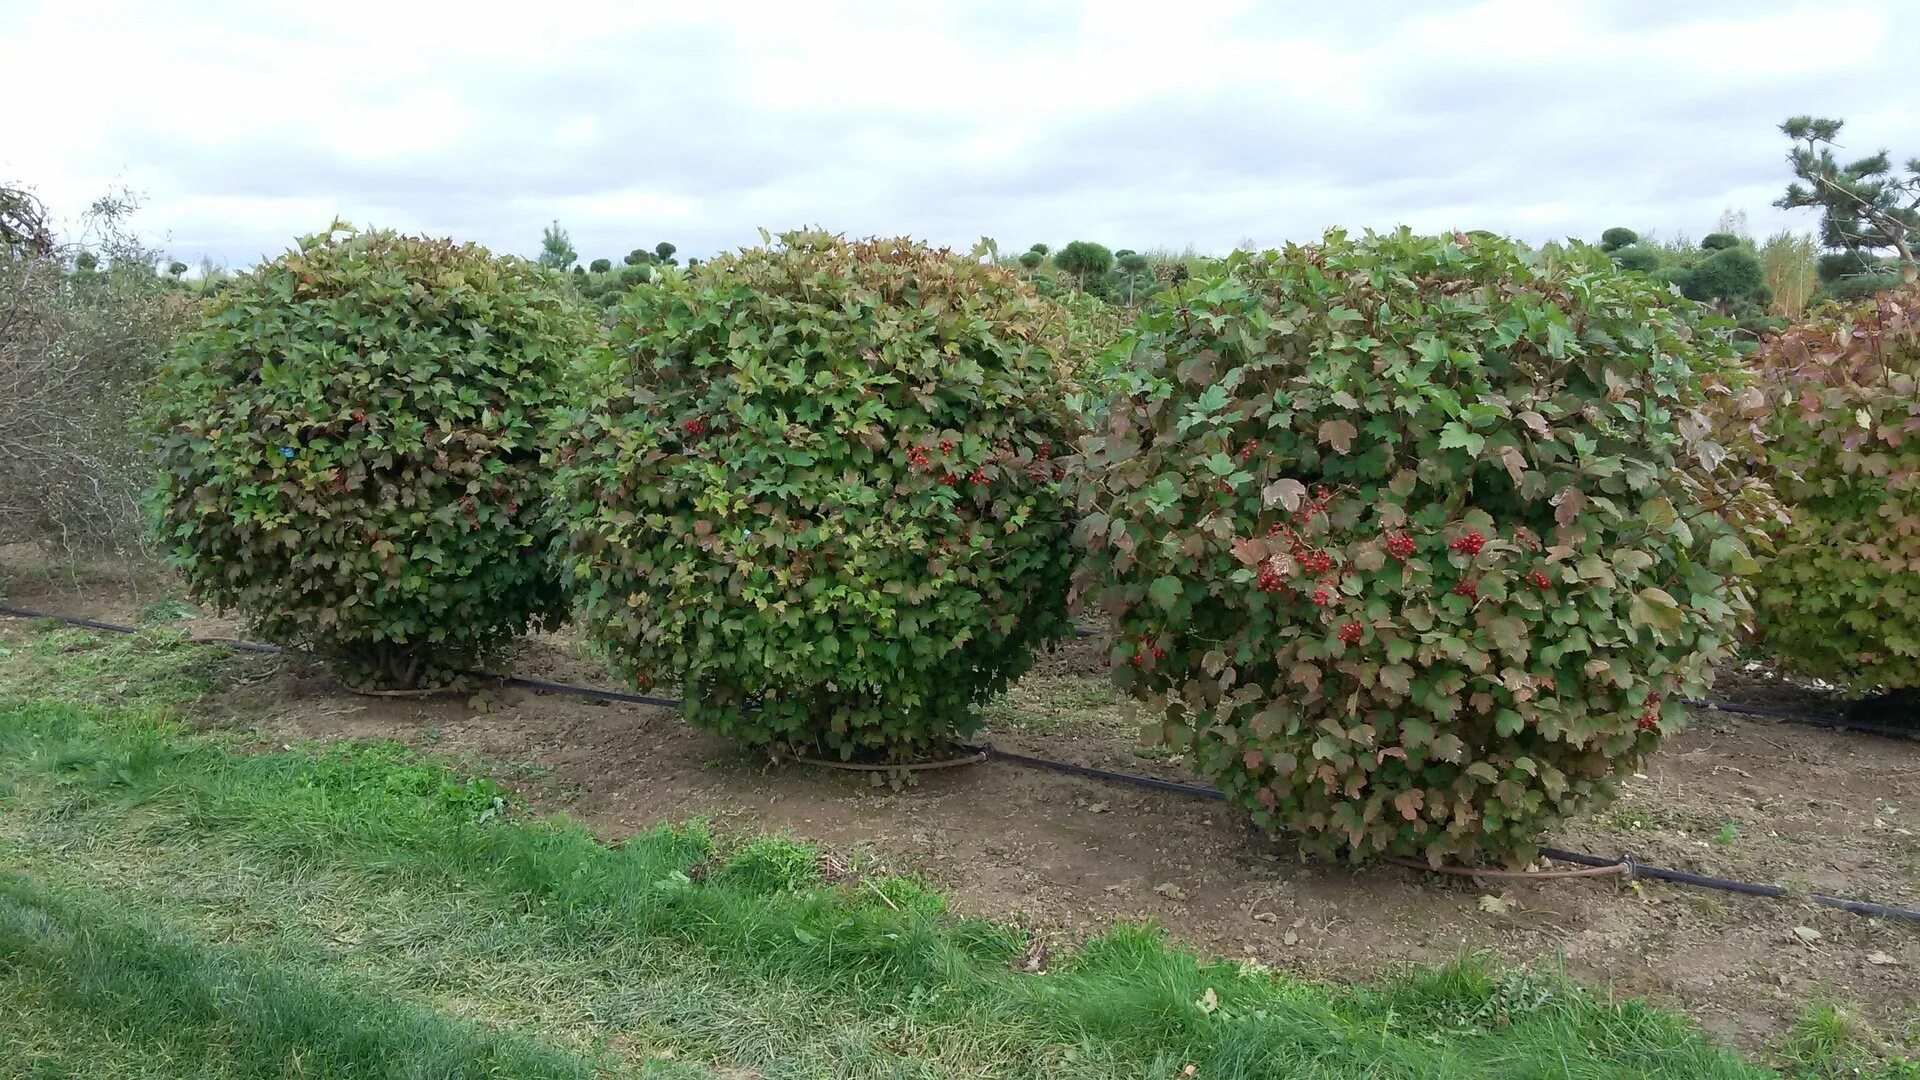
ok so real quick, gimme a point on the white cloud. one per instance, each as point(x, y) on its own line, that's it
point(1121, 120)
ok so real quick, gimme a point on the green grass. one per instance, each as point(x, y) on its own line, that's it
point(360, 910)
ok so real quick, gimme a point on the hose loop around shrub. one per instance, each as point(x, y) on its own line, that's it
point(1627, 864)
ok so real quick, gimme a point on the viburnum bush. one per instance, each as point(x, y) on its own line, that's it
point(1415, 543)
point(815, 485)
point(350, 450)
point(1841, 418)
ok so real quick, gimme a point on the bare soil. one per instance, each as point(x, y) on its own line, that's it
point(1811, 809)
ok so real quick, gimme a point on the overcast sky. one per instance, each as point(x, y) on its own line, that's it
point(1139, 124)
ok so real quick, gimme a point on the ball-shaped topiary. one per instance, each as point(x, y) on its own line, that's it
point(1726, 275)
point(1085, 260)
point(1617, 237)
point(1719, 241)
point(815, 487)
point(1840, 598)
point(350, 450)
point(601, 266)
point(1409, 541)
point(1638, 259)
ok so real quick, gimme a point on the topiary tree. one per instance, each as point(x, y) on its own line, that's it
point(663, 253)
point(1041, 249)
point(1032, 259)
point(635, 273)
point(1728, 275)
point(1085, 260)
point(1838, 598)
point(1865, 205)
point(1412, 543)
point(176, 268)
point(814, 486)
point(349, 448)
point(1639, 259)
point(601, 266)
point(639, 257)
point(1719, 241)
point(1616, 238)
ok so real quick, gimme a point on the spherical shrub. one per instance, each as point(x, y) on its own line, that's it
point(1840, 598)
point(814, 484)
point(1032, 259)
point(601, 266)
point(1719, 241)
point(350, 450)
point(1415, 543)
point(1617, 237)
point(1727, 274)
point(1085, 260)
point(1639, 259)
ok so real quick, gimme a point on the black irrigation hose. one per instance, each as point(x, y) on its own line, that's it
point(1634, 868)
point(1834, 723)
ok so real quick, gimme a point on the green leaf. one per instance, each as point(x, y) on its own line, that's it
point(1165, 592)
point(1455, 436)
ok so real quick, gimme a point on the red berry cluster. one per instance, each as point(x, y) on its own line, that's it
point(949, 479)
point(1469, 544)
point(695, 427)
point(1650, 719)
point(917, 457)
point(1247, 450)
point(1271, 580)
point(1400, 546)
point(1539, 580)
point(1312, 560)
point(979, 476)
point(1350, 633)
point(1467, 589)
point(1147, 649)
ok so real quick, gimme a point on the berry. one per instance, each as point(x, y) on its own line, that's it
point(1649, 721)
point(949, 479)
point(1469, 544)
point(1350, 633)
point(1539, 580)
point(1139, 659)
point(695, 427)
point(1322, 597)
point(1159, 653)
point(946, 446)
point(1467, 589)
point(979, 476)
point(1400, 546)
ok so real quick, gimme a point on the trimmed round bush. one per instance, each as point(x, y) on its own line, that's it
point(1639, 259)
point(1728, 274)
point(1840, 598)
point(1409, 542)
point(1617, 237)
point(601, 266)
point(350, 450)
point(813, 484)
point(1719, 241)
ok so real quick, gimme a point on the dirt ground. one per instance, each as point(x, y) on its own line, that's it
point(1753, 800)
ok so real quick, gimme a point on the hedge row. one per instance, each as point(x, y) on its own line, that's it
point(1413, 543)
